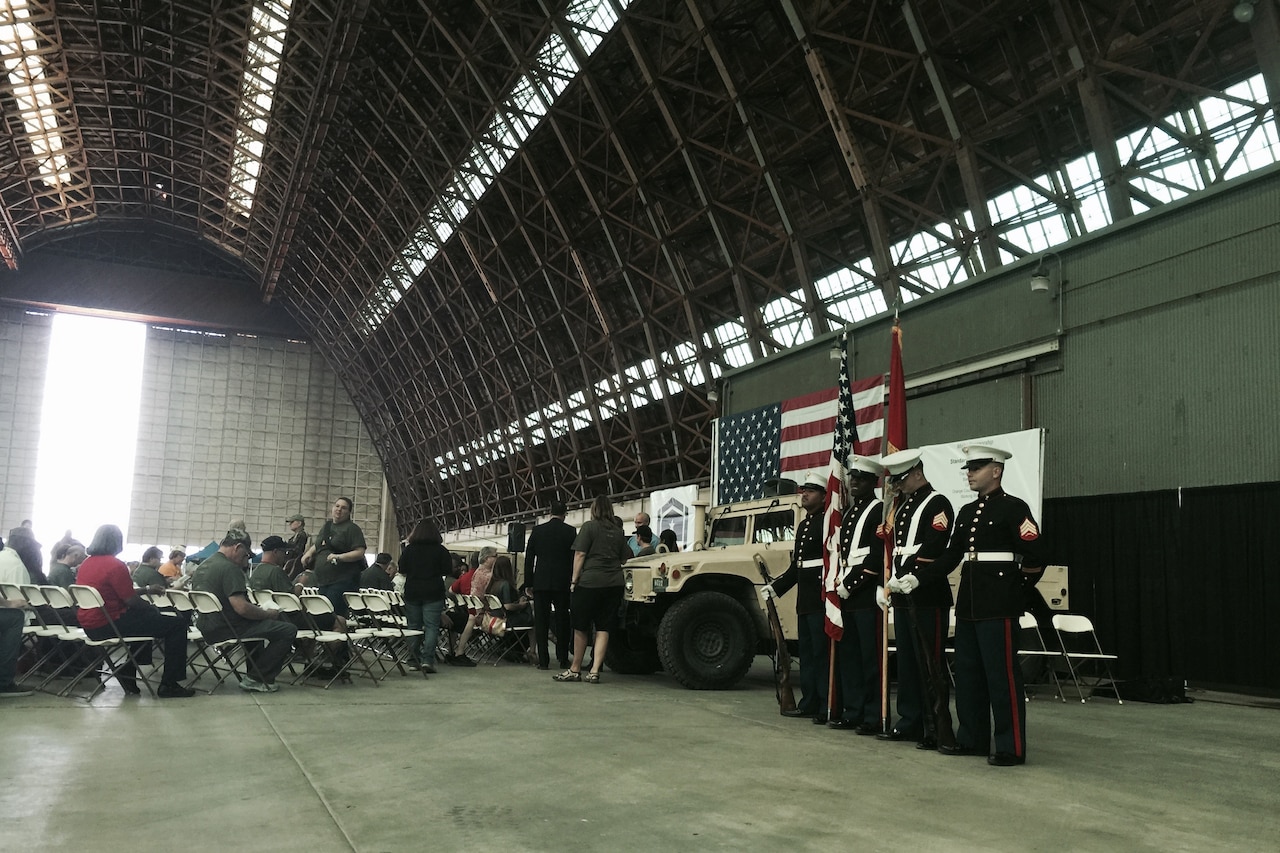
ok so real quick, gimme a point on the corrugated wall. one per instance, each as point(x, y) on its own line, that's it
point(241, 427)
point(24, 354)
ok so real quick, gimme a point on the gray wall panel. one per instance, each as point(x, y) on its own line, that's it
point(24, 353)
point(242, 427)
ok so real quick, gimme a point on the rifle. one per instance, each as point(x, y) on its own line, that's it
point(781, 657)
point(937, 711)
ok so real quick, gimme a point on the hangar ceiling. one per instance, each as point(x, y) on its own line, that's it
point(519, 229)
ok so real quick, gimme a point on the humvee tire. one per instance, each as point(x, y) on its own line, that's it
point(707, 641)
point(630, 654)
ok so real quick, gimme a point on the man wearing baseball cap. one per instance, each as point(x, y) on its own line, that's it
point(998, 547)
point(298, 536)
point(921, 528)
point(805, 573)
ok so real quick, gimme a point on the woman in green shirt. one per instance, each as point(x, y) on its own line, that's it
point(600, 549)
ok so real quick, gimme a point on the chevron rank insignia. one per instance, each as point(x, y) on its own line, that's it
point(1028, 530)
point(940, 521)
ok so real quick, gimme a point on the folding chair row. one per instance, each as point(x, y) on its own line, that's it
point(1078, 648)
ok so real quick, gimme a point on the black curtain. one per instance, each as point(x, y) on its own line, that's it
point(1176, 582)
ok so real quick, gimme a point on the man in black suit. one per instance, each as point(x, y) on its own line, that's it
point(548, 567)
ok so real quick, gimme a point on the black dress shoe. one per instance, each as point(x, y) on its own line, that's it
point(174, 691)
point(820, 719)
point(844, 724)
point(960, 750)
point(896, 734)
point(1005, 759)
point(546, 666)
point(867, 729)
point(927, 743)
point(797, 712)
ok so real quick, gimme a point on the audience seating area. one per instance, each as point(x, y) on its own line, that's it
point(58, 658)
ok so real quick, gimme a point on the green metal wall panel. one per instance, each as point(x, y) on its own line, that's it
point(1167, 376)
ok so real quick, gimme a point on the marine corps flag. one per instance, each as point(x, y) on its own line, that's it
point(895, 422)
point(895, 439)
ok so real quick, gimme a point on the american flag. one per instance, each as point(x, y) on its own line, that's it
point(792, 437)
point(844, 438)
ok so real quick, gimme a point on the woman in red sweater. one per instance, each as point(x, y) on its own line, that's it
point(132, 615)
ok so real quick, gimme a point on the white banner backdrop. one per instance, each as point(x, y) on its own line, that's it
point(673, 508)
point(1023, 473)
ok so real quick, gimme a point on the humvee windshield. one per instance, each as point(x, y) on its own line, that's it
point(729, 531)
point(776, 526)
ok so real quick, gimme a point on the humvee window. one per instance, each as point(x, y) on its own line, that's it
point(729, 531)
point(776, 526)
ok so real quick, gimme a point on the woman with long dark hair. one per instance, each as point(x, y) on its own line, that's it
point(424, 562)
point(133, 616)
point(600, 549)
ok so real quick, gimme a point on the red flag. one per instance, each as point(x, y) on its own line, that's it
point(895, 425)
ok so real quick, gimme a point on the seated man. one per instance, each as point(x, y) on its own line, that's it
point(269, 574)
point(378, 576)
point(67, 556)
point(223, 575)
point(147, 574)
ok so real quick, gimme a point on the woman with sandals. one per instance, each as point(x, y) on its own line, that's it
point(595, 593)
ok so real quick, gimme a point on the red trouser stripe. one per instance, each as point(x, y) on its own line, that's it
point(1015, 706)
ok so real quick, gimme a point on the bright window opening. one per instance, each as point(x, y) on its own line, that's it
point(88, 427)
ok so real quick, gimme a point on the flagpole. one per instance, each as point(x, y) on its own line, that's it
point(895, 439)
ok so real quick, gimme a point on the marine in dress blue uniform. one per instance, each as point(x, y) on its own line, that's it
point(805, 574)
point(997, 546)
point(858, 650)
point(921, 531)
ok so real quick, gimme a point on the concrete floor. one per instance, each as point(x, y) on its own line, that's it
point(504, 759)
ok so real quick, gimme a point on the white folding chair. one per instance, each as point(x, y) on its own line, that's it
point(352, 642)
point(185, 609)
point(1031, 647)
point(391, 633)
point(235, 650)
point(521, 634)
point(1081, 648)
point(69, 636)
point(306, 649)
point(116, 653)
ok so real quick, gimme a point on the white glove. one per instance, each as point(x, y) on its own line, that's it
point(893, 585)
point(907, 584)
point(881, 601)
point(767, 593)
point(842, 591)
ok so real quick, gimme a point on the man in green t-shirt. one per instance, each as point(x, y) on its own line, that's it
point(223, 574)
point(337, 555)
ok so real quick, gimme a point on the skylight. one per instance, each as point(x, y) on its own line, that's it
point(1031, 220)
point(267, 29)
point(20, 47)
point(521, 111)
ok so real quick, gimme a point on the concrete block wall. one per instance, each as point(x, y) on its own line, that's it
point(240, 427)
point(24, 354)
